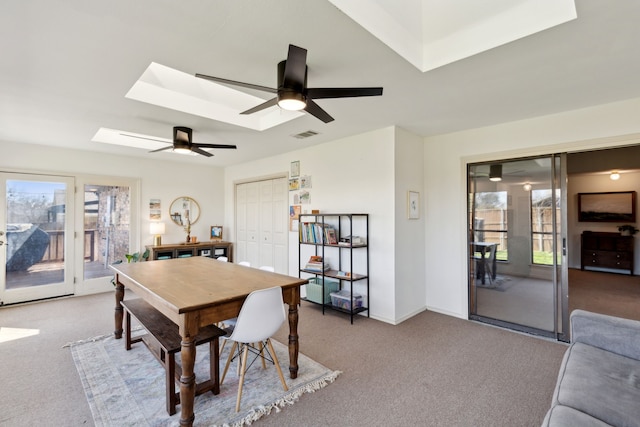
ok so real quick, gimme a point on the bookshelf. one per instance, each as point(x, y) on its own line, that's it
point(334, 248)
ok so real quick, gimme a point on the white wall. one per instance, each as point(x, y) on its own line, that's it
point(447, 156)
point(159, 179)
point(596, 183)
point(350, 175)
point(409, 241)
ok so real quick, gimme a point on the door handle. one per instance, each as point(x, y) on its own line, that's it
point(564, 246)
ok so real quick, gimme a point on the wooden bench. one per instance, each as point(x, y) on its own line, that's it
point(164, 341)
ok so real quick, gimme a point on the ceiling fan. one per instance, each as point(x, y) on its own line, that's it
point(292, 91)
point(182, 143)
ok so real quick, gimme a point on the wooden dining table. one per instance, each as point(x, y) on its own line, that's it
point(198, 291)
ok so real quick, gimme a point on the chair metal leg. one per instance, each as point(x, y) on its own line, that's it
point(261, 349)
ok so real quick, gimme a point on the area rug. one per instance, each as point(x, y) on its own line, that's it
point(127, 388)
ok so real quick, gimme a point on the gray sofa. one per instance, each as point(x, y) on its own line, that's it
point(599, 380)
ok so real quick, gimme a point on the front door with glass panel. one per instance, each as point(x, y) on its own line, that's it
point(36, 226)
point(107, 234)
point(515, 259)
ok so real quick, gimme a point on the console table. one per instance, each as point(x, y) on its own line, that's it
point(607, 250)
point(212, 249)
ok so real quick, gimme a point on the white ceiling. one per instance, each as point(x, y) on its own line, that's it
point(67, 66)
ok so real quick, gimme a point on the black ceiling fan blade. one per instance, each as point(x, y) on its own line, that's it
point(315, 110)
point(233, 147)
point(162, 149)
point(295, 68)
point(199, 151)
point(267, 104)
point(236, 83)
point(343, 92)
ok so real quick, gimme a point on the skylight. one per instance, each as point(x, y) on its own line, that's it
point(166, 87)
point(433, 33)
point(134, 140)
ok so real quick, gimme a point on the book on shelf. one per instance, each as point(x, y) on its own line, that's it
point(317, 232)
point(331, 236)
point(316, 266)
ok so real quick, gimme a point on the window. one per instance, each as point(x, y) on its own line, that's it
point(542, 208)
point(490, 220)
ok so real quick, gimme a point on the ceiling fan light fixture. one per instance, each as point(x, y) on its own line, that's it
point(495, 173)
point(292, 101)
point(181, 146)
point(182, 150)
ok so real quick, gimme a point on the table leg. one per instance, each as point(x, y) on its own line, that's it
point(187, 380)
point(294, 345)
point(118, 311)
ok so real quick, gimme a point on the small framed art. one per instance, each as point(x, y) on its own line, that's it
point(216, 232)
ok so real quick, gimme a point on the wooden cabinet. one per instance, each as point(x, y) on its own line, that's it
point(601, 250)
point(212, 249)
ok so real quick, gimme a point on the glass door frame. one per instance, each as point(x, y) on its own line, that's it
point(32, 293)
point(560, 268)
point(103, 284)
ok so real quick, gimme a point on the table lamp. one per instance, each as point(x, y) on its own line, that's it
point(157, 229)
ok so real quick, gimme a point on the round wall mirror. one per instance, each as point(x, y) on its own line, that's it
point(183, 209)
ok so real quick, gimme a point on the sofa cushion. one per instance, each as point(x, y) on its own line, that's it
point(602, 384)
point(563, 416)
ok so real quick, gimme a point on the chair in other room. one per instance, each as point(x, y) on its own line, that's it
point(486, 262)
point(245, 263)
point(261, 315)
point(268, 268)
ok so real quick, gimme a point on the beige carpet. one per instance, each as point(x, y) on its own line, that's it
point(432, 369)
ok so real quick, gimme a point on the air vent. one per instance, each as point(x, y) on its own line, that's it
point(307, 134)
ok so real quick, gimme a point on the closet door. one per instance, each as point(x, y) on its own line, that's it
point(247, 223)
point(240, 249)
point(280, 224)
point(266, 223)
point(261, 223)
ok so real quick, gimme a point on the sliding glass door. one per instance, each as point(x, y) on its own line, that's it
point(516, 257)
point(36, 237)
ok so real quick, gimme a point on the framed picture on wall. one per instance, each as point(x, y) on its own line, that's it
point(619, 206)
point(216, 232)
point(295, 169)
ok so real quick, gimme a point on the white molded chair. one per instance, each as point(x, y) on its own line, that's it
point(222, 259)
point(245, 263)
point(268, 268)
point(261, 315)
